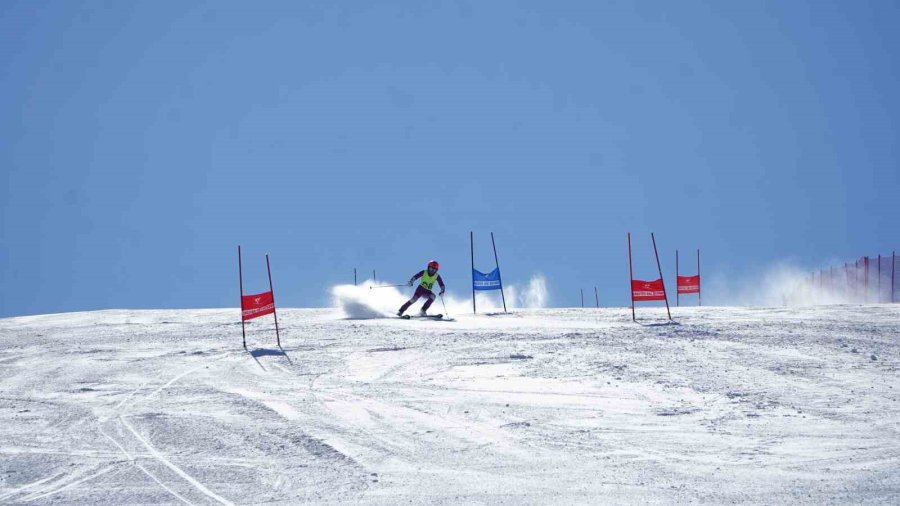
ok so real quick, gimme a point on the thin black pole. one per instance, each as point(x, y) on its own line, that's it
point(866, 267)
point(582, 297)
point(596, 297)
point(878, 299)
point(241, 281)
point(354, 276)
point(374, 279)
point(856, 281)
point(274, 312)
point(631, 279)
point(472, 248)
point(658, 266)
point(893, 263)
point(677, 295)
point(499, 276)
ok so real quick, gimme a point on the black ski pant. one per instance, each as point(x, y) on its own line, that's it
point(421, 291)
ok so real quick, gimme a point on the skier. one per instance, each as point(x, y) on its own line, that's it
point(429, 276)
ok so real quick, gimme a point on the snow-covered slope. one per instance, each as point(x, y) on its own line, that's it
point(540, 406)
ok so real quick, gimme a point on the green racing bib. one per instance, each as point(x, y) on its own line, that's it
point(428, 281)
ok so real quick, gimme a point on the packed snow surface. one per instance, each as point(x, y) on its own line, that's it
point(553, 406)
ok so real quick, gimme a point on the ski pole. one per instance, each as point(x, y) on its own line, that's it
point(445, 306)
point(387, 286)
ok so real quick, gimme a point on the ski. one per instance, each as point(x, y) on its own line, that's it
point(426, 317)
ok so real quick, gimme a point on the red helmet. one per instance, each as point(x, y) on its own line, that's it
point(432, 264)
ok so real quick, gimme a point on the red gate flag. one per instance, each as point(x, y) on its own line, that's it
point(689, 284)
point(254, 306)
point(647, 290)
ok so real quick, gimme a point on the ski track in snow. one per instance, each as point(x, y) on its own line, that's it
point(765, 405)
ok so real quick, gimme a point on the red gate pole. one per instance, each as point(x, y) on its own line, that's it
point(699, 281)
point(658, 266)
point(631, 279)
point(677, 295)
point(241, 281)
point(274, 311)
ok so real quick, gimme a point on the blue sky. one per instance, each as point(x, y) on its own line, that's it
point(141, 142)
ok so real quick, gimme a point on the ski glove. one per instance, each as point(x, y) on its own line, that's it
point(410, 282)
point(442, 292)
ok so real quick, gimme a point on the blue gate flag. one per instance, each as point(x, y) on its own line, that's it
point(489, 281)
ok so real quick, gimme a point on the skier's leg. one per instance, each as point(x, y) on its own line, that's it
point(428, 302)
point(408, 303)
point(418, 294)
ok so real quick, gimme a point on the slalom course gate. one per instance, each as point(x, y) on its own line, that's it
point(647, 290)
point(687, 284)
point(486, 282)
point(256, 305)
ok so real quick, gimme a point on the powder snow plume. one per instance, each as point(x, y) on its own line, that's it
point(362, 302)
point(783, 284)
point(533, 295)
point(530, 296)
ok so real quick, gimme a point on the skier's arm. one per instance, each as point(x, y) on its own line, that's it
point(441, 282)
point(414, 278)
